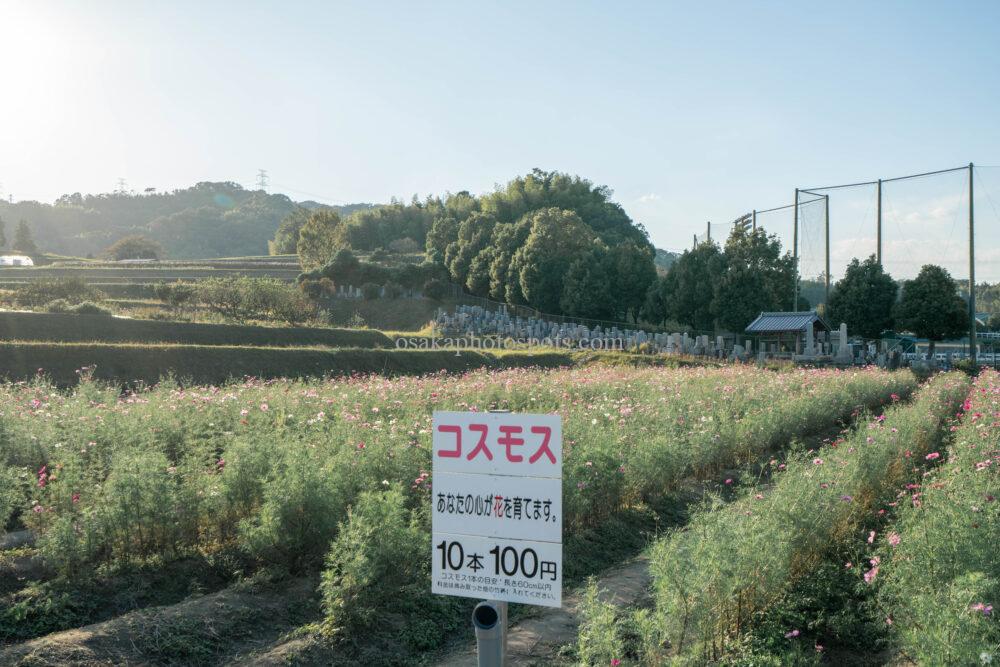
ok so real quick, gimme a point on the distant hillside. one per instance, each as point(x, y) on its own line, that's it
point(206, 220)
point(664, 259)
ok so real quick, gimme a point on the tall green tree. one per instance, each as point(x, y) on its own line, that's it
point(557, 238)
point(318, 239)
point(864, 299)
point(931, 308)
point(507, 238)
point(443, 232)
point(633, 271)
point(286, 239)
point(474, 236)
point(588, 287)
point(134, 246)
point(686, 292)
point(757, 278)
point(23, 241)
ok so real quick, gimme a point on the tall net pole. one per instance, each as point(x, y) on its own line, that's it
point(795, 255)
point(826, 224)
point(972, 273)
point(878, 222)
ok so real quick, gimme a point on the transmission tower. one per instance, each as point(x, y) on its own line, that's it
point(262, 179)
point(121, 186)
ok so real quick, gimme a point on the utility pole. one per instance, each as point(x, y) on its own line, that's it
point(795, 255)
point(262, 179)
point(754, 214)
point(708, 231)
point(878, 222)
point(972, 272)
point(694, 245)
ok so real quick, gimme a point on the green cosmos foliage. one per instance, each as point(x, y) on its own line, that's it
point(715, 579)
point(940, 568)
point(282, 472)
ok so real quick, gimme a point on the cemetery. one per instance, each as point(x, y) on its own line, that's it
point(798, 337)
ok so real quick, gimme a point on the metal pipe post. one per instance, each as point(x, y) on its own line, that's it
point(489, 618)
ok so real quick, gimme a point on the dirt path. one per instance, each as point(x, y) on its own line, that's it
point(201, 631)
point(536, 640)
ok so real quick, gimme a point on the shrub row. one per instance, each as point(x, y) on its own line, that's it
point(132, 364)
point(55, 327)
point(730, 565)
point(940, 567)
point(146, 274)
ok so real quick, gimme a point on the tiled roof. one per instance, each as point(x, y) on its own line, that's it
point(775, 322)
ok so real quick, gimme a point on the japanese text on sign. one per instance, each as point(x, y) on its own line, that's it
point(497, 506)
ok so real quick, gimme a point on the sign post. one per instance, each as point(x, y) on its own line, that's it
point(497, 515)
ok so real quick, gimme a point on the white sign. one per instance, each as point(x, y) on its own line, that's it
point(518, 508)
point(497, 506)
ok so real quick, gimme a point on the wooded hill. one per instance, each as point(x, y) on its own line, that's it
point(203, 221)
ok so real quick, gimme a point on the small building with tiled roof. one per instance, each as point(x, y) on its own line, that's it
point(782, 334)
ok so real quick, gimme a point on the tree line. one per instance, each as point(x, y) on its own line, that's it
point(548, 240)
point(711, 288)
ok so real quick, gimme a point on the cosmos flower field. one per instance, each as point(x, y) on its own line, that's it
point(331, 478)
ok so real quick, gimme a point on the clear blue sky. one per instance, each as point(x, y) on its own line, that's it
point(689, 111)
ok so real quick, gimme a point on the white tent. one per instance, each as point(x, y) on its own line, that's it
point(15, 260)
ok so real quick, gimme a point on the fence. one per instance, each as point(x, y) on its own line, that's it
point(937, 217)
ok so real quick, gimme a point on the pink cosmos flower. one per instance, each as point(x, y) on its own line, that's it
point(817, 462)
point(729, 481)
point(615, 662)
point(932, 456)
point(793, 633)
point(263, 407)
point(894, 539)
